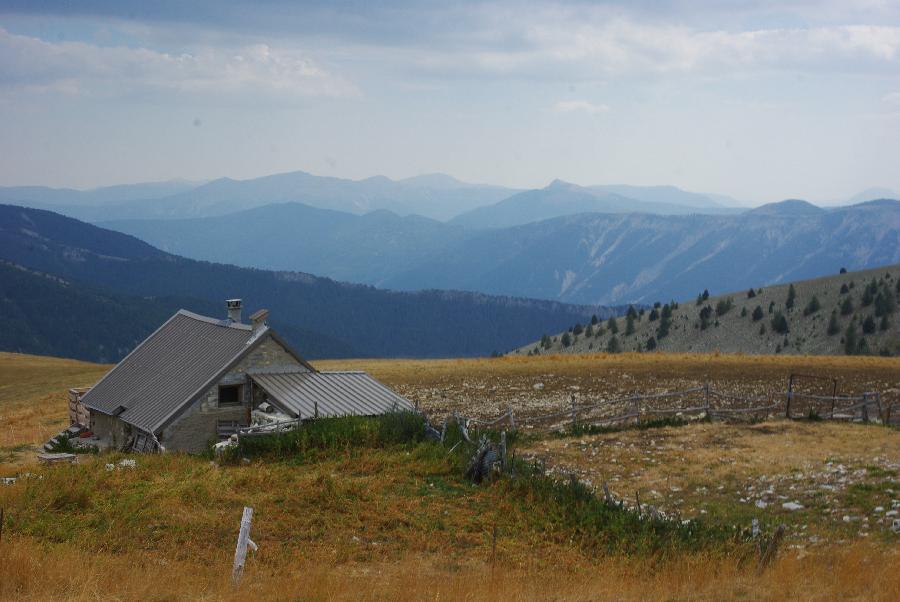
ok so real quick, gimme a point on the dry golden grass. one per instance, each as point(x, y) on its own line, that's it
point(383, 526)
point(35, 571)
point(33, 400)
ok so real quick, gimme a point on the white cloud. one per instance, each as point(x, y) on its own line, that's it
point(79, 68)
point(892, 99)
point(571, 106)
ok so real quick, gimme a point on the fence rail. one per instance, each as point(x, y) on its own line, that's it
point(579, 413)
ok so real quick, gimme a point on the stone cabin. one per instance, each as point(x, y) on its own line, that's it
point(197, 379)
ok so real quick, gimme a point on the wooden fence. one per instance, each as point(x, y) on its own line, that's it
point(704, 400)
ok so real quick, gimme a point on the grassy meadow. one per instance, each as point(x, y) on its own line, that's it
point(382, 521)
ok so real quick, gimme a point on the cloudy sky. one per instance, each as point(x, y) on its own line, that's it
point(759, 100)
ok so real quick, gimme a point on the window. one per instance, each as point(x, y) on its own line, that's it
point(231, 395)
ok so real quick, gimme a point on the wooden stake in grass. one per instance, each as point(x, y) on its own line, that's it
point(240, 553)
point(771, 550)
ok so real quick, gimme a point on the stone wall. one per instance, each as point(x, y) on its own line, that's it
point(198, 424)
point(113, 431)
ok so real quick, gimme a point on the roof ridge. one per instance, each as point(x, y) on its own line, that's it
point(224, 323)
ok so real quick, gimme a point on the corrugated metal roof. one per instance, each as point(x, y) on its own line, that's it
point(169, 368)
point(336, 393)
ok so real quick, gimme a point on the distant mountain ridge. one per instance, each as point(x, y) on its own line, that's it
point(561, 198)
point(348, 317)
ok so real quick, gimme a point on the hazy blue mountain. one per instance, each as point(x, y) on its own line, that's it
point(872, 194)
point(563, 198)
point(670, 195)
point(614, 259)
point(362, 318)
point(44, 197)
point(293, 236)
point(436, 196)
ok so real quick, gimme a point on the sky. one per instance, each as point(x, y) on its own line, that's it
point(757, 100)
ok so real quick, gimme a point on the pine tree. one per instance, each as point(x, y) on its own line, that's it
point(629, 322)
point(847, 306)
point(757, 314)
point(751, 293)
point(791, 297)
point(566, 339)
point(868, 325)
point(594, 320)
point(613, 345)
point(651, 344)
point(885, 323)
point(850, 342)
point(834, 326)
point(812, 307)
point(589, 331)
point(654, 315)
point(845, 289)
point(612, 326)
point(780, 324)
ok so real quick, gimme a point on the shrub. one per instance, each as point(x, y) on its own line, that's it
point(751, 293)
point(869, 293)
point(566, 339)
point(651, 344)
point(845, 289)
point(629, 324)
point(791, 297)
point(546, 342)
point(885, 323)
point(589, 331)
point(833, 326)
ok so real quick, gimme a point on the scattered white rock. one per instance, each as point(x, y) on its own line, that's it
point(879, 509)
point(761, 504)
point(110, 467)
point(792, 506)
point(127, 463)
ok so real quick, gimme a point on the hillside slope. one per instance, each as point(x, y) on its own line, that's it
point(846, 318)
point(372, 322)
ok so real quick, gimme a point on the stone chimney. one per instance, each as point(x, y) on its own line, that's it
point(234, 310)
point(258, 319)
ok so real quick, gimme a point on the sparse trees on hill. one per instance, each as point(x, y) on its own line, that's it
point(594, 320)
point(612, 326)
point(751, 293)
point(812, 307)
point(651, 344)
point(654, 315)
point(791, 297)
point(757, 314)
point(577, 329)
point(885, 323)
point(743, 312)
point(780, 323)
point(845, 289)
point(589, 331)
point(705, 314)
point(665, 322)
point(885, 303)
point(566, 339)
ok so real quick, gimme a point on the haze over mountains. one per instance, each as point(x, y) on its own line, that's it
point(604, 244)
point(72, 289)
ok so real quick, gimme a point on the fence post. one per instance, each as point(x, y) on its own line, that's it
point(865, 407)
point(512, 419)
point(240, 553)
point(790, 394)
point(574, 414)
point(706, 391)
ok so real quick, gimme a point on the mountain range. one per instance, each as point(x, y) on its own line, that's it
point(59, 272)
point(589, 258)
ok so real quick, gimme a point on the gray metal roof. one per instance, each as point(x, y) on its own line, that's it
point(336, 393)
point(170, 368)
